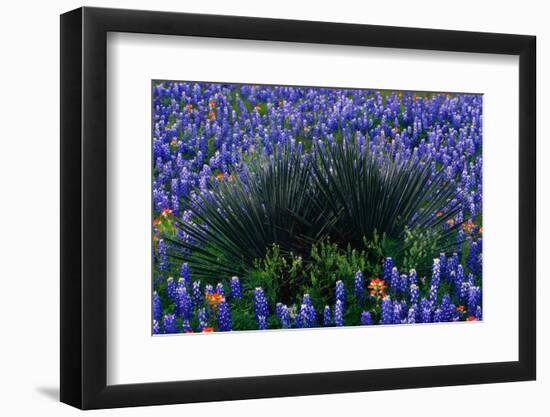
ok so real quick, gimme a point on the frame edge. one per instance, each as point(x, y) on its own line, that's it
point(70, 204)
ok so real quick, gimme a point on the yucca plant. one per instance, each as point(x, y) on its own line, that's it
point(239, 220)
point(368, 193)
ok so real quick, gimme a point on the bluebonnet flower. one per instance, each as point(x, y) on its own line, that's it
point(341, 293)
point(197, 293)
point(397, 312)
point(235, 287)
point(184, 304)
point(447, 308)
point(388, 268)
point(339, 313)
point(436, 273)
point(452, 263)
point(262, 322)
point(327, 316)
point(474, 257)
point(156, 327)
point(403, 283)
point(171, 288)
point(169, 323)
point(471, 280)
point(224, 317)
point(185, 274)
point(366, 318)
point(157, 307)
point(307, 310)
point(162, 250)
point(220, 289)
point(359, 286)
point(414, 293)
point(426, 315)
point(459, 275)
point(443, 265)
point(186, 326)
point(395, 279)
point(202, 318)
point(283, 315)
point(261, 308)
point(208, 289)
point(437, 315)
point(387, 311)
point(412, 313)
point(478, 314)
point(413, 277)
point(474, 298)
point(425, 310)
point(436, 279)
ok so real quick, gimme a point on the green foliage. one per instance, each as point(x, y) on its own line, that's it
point(286, 278)
point(421, 247)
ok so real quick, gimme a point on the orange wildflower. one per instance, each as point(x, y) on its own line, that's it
point(212, 115)
point(212, 104)
point(189, 107)
point(208, 330)
point(450, 222)
point(220, 176)
point(377, 287)
point(471, 318)
point(156, 222)
point(460, 308)
point(166, 212)
point(214, 299)
point(468, 226)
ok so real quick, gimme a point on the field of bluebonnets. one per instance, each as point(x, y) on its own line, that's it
point(281, 207)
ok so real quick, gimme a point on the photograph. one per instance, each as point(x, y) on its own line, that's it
point(300, 207)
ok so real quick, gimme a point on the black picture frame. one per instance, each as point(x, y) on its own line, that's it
point(84, 207)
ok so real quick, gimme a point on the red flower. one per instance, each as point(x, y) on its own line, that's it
point(471, 318)
point(208, 330)
point(377, 287)
point(214, 299)
point(166, 212)
point(460, 308)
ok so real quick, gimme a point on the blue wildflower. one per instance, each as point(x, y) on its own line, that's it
point(339, 313)
point(224, 317)
point(169, 323)
point(235, 287)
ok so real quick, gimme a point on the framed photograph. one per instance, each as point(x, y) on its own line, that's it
point(257, 208)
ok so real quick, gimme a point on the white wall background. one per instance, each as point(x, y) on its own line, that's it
point(29, 213)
